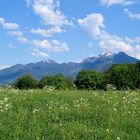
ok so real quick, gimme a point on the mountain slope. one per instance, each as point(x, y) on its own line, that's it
point(48, 67)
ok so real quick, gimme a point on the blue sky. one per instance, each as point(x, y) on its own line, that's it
point(67, 30)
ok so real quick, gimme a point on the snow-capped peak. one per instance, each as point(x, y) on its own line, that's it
point(106, 54)
point(89, 59)
point(48, 61)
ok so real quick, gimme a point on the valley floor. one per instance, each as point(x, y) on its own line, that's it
point(69, 115)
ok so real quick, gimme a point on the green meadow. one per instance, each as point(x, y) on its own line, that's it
point(69, 115)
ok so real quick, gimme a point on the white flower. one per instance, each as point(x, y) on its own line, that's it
point(107, 130)
point(118, 138)
point(50, 107)
point(35, 110)
point(2, 110)
point(5, 99)
point(114, 109)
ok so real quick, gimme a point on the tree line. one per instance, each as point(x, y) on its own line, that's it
point(120, 76)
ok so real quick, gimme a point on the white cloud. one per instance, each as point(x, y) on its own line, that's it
point(49, 11)
point(93, 24)
point(132, 15)
point(8, 25)
point(114, 2)
point(48, 32)
point(15, 33)
point(59, 46)
point(39, 53)
point(132, 40)
point(114, 43)
point(45, 44)
point(51, 15)
point(51, 46)
point(42, 47)
point(23, 39)
point(136, 52)
point(19, 36)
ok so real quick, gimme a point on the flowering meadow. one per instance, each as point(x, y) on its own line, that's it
point(69, 115)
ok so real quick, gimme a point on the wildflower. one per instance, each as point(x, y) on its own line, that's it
point(50, 107)
point(107, 130)
point(118, 138)
point(2, 110)
point(114, 109)
point(35, 110)
point(5, 99)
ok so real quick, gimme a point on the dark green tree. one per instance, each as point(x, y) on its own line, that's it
point(26, 82)
point(89, 79)
point(57, 81)
point(46, 81)
point(122, 76)
point(60, 82)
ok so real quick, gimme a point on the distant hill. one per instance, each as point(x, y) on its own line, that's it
point(101, 63)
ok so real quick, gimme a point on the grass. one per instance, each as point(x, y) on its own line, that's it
point(69, 115)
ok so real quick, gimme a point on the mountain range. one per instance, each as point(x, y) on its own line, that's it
point(100, 63)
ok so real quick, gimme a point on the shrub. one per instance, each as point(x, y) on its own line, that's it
point(26, 82)
point(89, 79)
point(123, 76)
point(57, 81)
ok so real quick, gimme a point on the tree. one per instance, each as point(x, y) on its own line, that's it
point(89, 79)
point(122, 76)
point(60, 82)
point(57, 81)
point(70, 81)
point(138, 75)
point(46, 81)
point(26, 82)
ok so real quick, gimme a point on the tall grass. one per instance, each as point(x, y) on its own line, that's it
point(69, 115)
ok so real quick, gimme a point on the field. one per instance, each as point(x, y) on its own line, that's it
point(69, 115)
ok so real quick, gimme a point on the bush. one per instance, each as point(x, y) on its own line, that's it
point(26, 82)
point(46, 81)
point(124, 76)
point(57, 81)
point(89, 79)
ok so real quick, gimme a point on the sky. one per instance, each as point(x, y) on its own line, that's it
point(67, 30)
